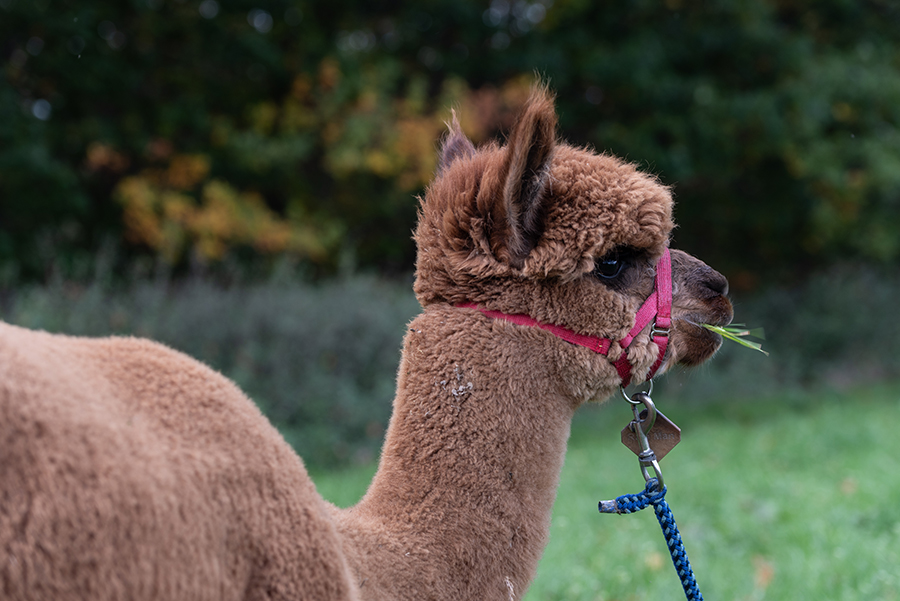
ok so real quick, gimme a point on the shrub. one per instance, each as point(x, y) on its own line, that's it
point(320, 360)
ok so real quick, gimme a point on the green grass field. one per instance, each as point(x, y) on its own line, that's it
point(784, 498)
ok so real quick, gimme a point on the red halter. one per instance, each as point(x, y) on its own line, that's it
point(657, 309)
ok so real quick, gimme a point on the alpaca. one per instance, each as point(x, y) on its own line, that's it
point(130, 471)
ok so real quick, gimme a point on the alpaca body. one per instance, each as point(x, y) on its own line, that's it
point(130, 471)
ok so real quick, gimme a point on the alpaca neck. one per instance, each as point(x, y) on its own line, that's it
point(470, 467)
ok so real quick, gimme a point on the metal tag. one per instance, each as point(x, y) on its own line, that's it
point(663, 436)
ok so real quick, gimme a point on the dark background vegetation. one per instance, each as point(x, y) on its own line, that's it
point(217, 175)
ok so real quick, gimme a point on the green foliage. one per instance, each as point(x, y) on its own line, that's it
point(776, 121)
point(738, 333)
point(103, 101)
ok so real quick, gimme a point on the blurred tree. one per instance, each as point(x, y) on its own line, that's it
point(776, 121)
point(316, 123)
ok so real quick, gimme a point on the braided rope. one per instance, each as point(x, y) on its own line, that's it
point(652, 496)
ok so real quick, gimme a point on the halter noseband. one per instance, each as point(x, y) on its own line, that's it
point(657, 309)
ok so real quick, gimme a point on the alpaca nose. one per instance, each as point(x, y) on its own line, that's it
point(715, 281)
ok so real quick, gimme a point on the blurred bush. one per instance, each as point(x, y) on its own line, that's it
point(321, 360)
point(197, 129)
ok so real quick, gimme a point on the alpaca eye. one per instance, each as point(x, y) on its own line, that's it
point(608, 267)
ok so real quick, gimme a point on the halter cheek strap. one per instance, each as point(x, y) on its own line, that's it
point(657, 309)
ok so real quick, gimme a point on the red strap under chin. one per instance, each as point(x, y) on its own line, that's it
point(657, 308)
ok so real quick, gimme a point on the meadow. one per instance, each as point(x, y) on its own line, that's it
point(782, 498)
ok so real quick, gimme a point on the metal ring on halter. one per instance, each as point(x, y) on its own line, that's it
point(631, 399)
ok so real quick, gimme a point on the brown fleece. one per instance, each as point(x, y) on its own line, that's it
point(130, 471)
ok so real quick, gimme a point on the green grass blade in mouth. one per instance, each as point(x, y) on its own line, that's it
point(737, 333)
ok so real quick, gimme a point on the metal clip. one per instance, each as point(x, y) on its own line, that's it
point(646, 458)
point(641, 425)
point(646, 421)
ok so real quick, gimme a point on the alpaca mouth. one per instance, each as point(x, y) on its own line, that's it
point(714, 336)
point(696, 344)
point(720, 312)
point(719, 322)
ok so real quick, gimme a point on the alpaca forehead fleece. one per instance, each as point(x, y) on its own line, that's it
point(597, 204)
point(594, 204)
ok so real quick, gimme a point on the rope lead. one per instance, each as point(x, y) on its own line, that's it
point(652, 496)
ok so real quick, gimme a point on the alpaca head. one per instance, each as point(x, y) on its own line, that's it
point(564, 235)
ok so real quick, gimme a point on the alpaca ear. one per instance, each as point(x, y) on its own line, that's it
point(526, 175)
point(456, 145)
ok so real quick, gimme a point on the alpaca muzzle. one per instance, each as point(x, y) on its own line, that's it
point(656, 309)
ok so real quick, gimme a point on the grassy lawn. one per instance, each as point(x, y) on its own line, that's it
point(784, 498)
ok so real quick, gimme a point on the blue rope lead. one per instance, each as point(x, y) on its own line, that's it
point(657, 498)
